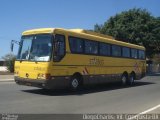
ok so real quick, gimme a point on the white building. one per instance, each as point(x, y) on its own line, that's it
point(2, 65)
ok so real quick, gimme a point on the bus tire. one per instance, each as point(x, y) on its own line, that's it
point(75, 83)
point(124, 79)
point(131, 79)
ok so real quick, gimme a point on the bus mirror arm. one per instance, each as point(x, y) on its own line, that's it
point(12, 44)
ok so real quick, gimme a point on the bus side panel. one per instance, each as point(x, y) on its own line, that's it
point(97, 69)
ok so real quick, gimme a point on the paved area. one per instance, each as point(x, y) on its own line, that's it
point(6, 78)
point(110, 98)
point(155, 111)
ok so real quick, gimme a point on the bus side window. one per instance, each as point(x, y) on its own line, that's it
point(116, 51)
point(104, 49)
point(58, 47)
point(141, 54)
point(134, 53)
point(76, 45)
point(91, 47)
point(126, 52)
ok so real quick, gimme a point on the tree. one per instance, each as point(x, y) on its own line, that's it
point(9, 59)
point(156, 59)
point(135, 26)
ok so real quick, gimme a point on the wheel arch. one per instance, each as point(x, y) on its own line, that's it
point(134, 74)
point(79, 75)
point(125, 73)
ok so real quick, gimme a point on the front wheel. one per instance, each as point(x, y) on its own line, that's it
point(131, 79)
point(74, 83)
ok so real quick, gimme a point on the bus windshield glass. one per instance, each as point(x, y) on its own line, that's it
point(35, 48)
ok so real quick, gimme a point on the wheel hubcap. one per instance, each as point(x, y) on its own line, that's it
point(75, 83)
point(132, 79)
point(123, 79)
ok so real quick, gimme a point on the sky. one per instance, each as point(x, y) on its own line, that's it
point(17, 16)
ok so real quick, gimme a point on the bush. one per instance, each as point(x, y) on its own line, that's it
point(10, 65)
point(9, 60)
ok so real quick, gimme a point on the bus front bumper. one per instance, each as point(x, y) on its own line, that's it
point(57, 83)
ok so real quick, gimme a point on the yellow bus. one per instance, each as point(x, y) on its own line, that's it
point(52, 58)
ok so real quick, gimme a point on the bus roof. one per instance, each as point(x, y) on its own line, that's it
point(109, 39)
point(38, 31)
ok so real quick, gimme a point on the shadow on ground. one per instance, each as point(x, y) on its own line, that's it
point(86, 89)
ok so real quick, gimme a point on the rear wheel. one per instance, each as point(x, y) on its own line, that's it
point(131, 79)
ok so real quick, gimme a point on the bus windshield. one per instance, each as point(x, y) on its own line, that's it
point(35, 48)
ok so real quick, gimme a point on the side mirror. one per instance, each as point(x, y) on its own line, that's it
point(12, 44)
